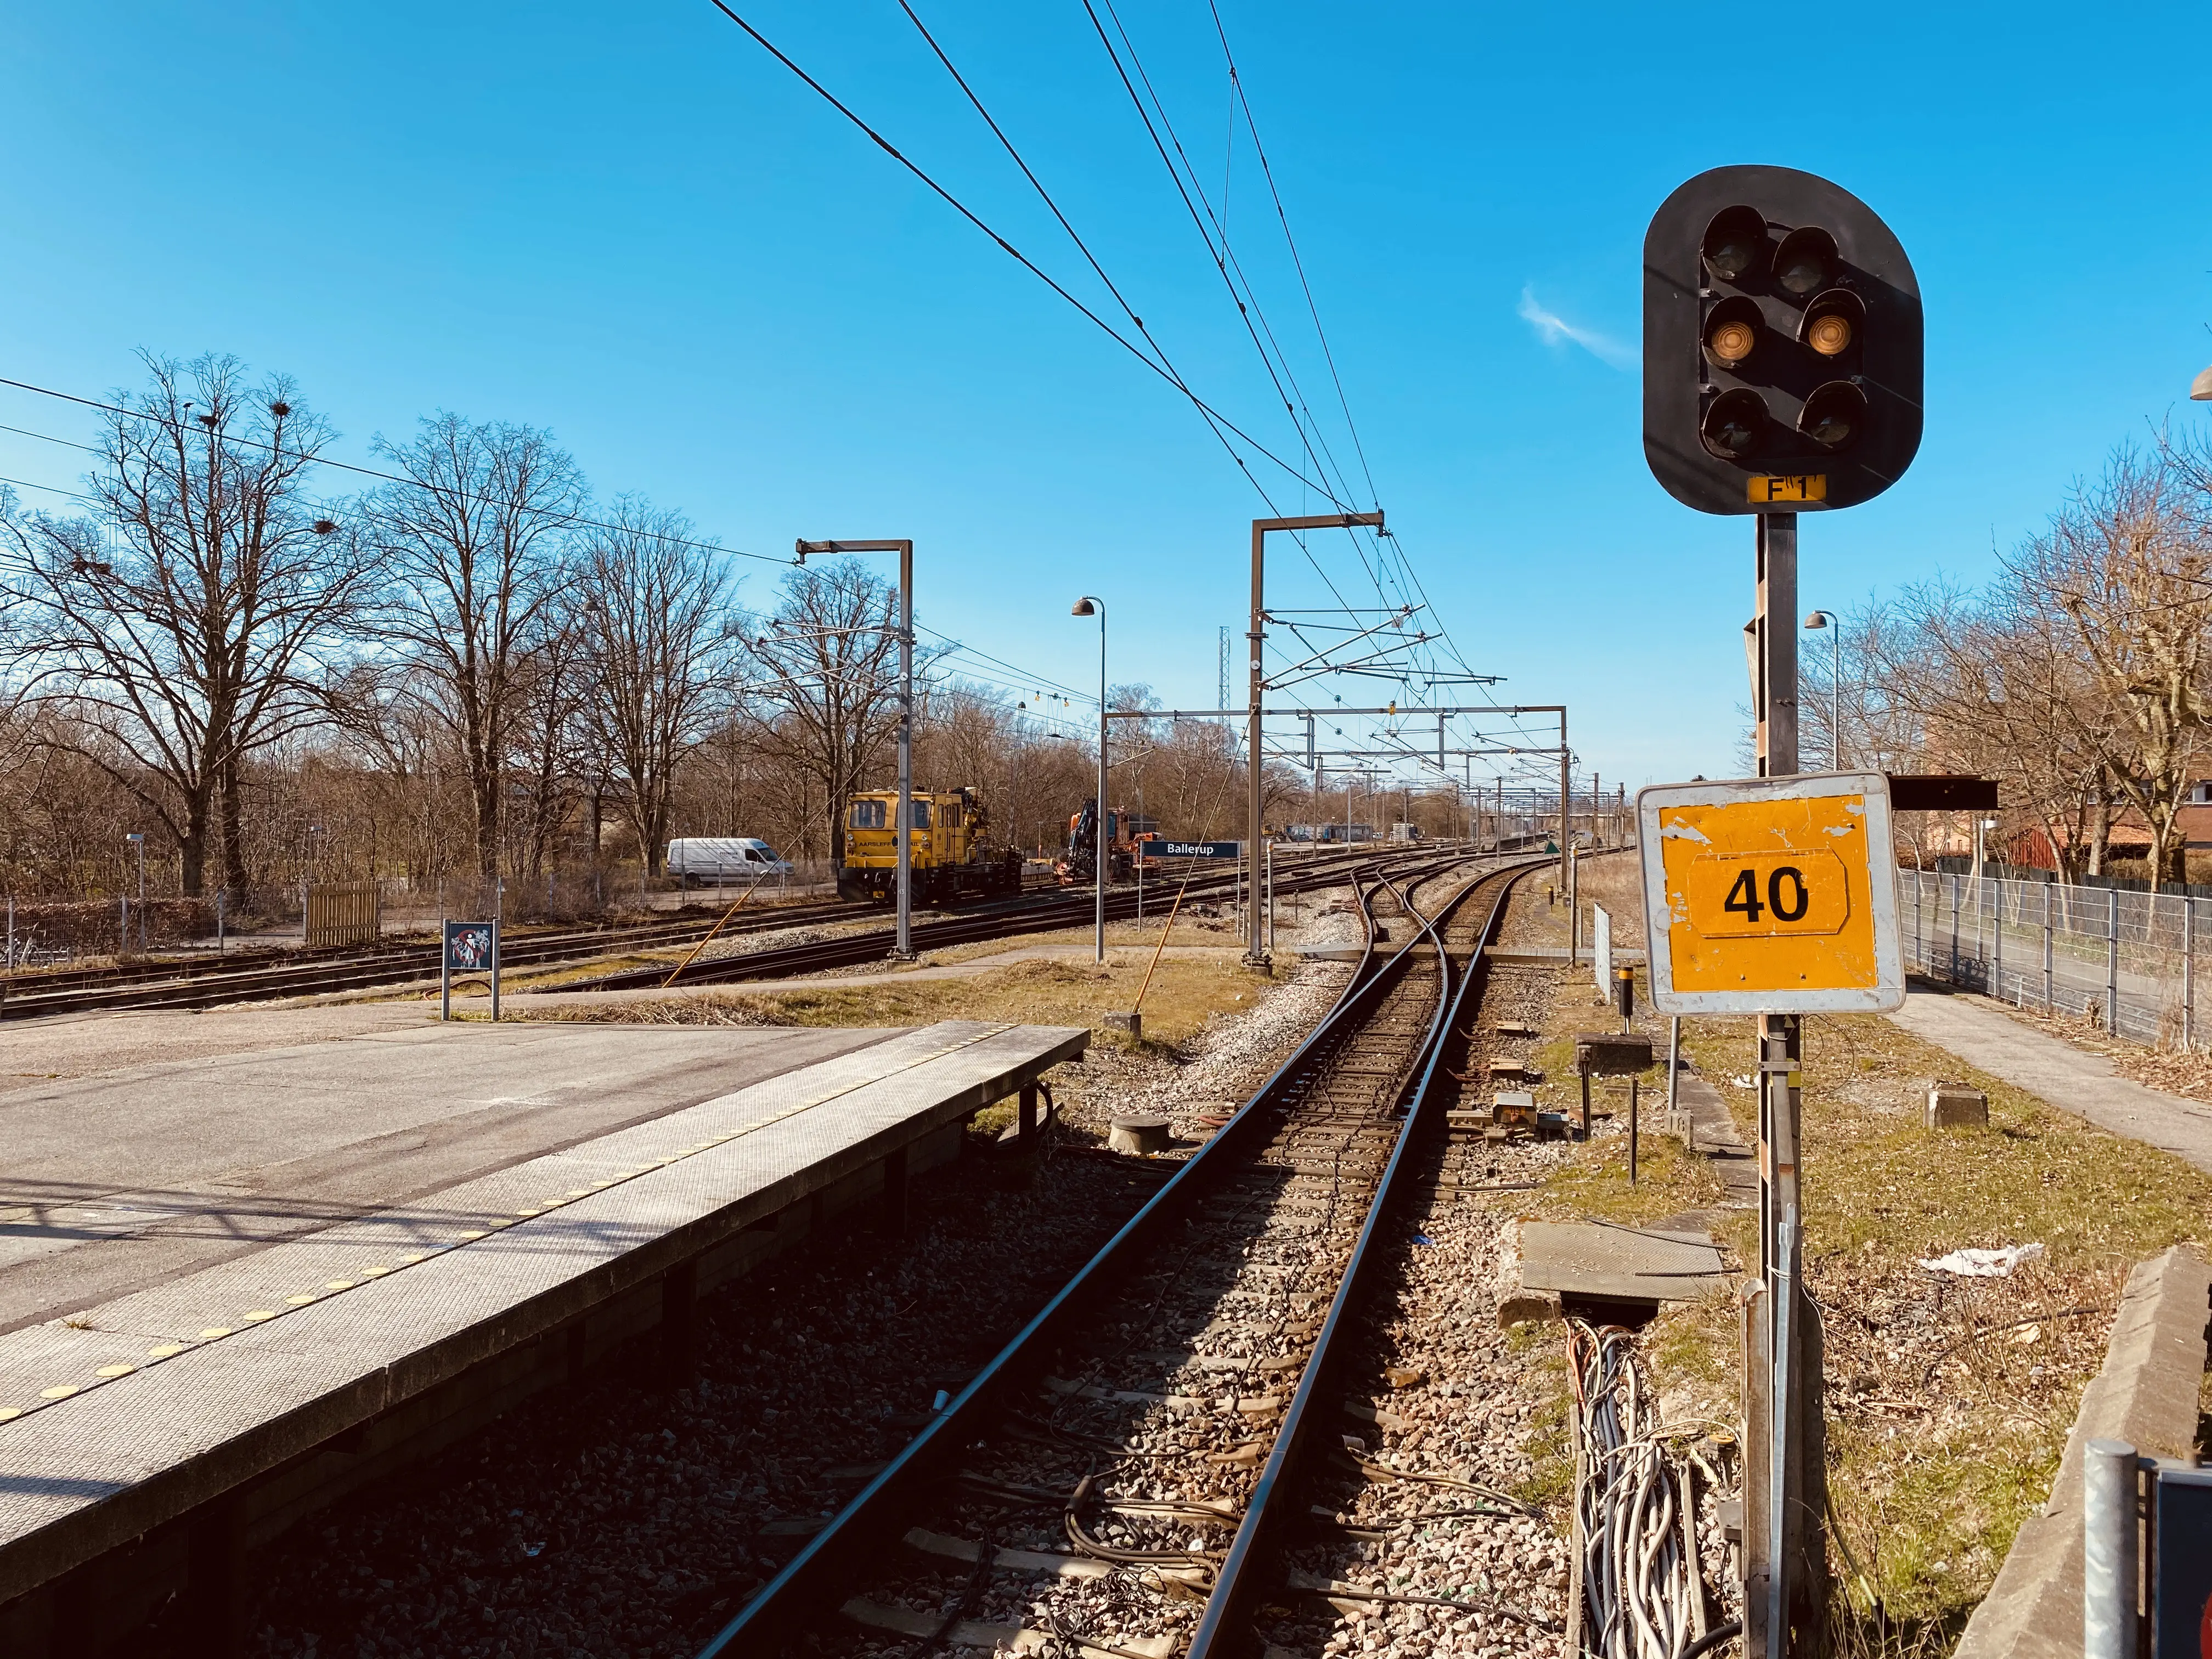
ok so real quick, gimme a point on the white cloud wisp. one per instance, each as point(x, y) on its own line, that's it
point(1553, 330)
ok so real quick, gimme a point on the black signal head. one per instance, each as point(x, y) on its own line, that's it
point(1782, 340)
point(1806, 261)
point(1834, 414)
point(1731, 331)
point(1834, 322)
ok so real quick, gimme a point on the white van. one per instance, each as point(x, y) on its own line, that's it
point(719, 859)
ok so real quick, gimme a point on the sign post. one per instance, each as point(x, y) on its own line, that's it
point(1775, 896)
point(470, 946)
point(1783, 373)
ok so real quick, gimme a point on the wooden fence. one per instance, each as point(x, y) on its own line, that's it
point(343, 913)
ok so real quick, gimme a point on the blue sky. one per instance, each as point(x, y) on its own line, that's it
point(628, 223)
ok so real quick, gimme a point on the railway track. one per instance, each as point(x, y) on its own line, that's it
point(1123, 1477)
point(1005, 920)
point(264, 974)
point(260, 978)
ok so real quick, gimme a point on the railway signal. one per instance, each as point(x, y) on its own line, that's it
point(1782, 344)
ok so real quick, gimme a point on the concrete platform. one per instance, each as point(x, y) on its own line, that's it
point(118, 1178)
point(377, 1241)
point(2145, 1395)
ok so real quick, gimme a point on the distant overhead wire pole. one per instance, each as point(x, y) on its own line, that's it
point(1254, 752)
point(903, 950)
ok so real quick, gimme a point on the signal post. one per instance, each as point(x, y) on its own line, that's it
point(1783, 348)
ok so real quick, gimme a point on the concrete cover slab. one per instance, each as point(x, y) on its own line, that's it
point(1575, 1258)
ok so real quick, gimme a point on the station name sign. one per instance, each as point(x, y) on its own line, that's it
point(1152, 852)
point(1773, 896)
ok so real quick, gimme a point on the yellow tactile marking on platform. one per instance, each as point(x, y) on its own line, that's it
point(262, 1315)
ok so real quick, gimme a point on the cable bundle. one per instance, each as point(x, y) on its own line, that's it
point(1640, 1594)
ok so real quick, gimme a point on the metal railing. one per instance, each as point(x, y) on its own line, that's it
point(2126, 960)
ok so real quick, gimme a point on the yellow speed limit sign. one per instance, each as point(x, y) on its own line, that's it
point(1774, 895)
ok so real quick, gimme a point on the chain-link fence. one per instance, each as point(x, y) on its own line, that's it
point(2127, 961)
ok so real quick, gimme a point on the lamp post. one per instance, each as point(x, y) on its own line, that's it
point(2200, 389)
point(1090, 605)
point(139, 842)
point(1827, 619)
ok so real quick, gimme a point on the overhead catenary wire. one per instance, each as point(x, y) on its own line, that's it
point(576, 519)
point(1268, 172)
point(1015, 253)
point(1216, 242)
point(1214, 423)
point(1224, 259)
point(1334, 494)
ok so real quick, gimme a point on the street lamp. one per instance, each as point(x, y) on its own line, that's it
point(1827, 619)
point(2200, 389)
point(139, 842)
point(1088, 605)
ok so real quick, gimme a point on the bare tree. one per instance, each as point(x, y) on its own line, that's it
point(471, 541)
point(183, 626)
point(661, 644)
point(1990, 684)
point(558, 751)
point(822, 680)
point(2126, 562)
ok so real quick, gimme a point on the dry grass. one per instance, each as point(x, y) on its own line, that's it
point(1185, 993)
point(1538, 921)
point(1949, 1400)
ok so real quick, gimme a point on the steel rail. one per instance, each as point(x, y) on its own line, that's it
point(795, 1600)
point(267, 974)
point(1224, 1629)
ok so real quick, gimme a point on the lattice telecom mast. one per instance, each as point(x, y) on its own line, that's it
point(1222, 696)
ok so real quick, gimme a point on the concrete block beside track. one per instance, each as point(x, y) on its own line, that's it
point(2146, 1396)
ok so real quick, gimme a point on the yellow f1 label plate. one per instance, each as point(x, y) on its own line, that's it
point(1762, 489)
point(1774, 895)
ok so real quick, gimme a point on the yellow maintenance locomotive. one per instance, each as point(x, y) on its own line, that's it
point(952, 855)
